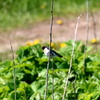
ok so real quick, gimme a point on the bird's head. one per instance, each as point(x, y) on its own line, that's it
point(43, 47)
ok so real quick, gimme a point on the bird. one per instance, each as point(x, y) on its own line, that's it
point(49, 52)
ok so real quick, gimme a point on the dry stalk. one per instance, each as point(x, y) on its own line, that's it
point(87, 32)
point(71, 60)
point(52, 81)
point(48, 64)
point(94, 28)
point(14, 73)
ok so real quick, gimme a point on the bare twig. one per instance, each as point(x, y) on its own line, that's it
point(94, 26)
point(52, 4)
point(46, 91)
point(71, 60)
point(52, 81)
point(87, 32)
point(51, 22)
point(48, 64)
point(14, 74)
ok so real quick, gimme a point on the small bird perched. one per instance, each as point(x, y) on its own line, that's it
point(48, 52)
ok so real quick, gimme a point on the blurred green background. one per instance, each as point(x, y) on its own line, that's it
point(30, 62)
point(22, 13)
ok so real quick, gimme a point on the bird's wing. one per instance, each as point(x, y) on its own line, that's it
point(55, 53)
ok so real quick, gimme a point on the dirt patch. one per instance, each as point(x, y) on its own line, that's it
point(41, 30)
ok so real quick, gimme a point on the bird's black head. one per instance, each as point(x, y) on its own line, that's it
point(43, 47)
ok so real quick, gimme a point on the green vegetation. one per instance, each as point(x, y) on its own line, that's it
point(19, 13)
point(30, 66)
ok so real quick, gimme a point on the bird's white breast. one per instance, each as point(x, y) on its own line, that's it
point(46, 52)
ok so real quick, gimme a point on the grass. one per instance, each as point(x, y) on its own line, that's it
point(18, 13)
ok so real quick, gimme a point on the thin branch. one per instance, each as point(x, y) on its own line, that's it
point(94, 26)
point(46, 91)
point(14, 74)
point(48, 64)
point(71, 60)
point(51, 22)
point(51, 25)
point(52, 80)
point(87, 32)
